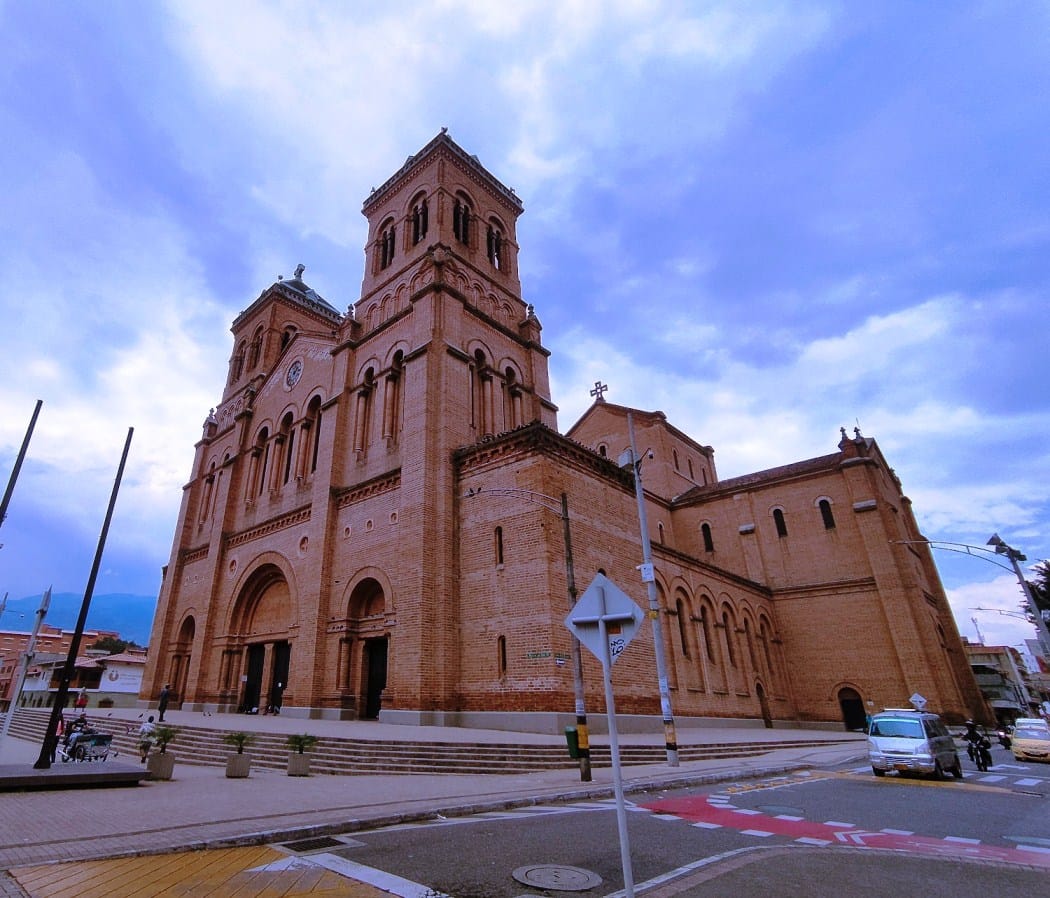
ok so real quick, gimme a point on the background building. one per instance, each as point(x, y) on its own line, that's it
point(49, 641)
point(329, 560)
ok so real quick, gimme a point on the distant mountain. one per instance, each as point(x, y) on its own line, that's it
point(129, 615)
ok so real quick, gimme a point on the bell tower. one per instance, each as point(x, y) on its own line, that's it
point(440, 352)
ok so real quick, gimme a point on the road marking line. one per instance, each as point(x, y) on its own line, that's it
point(961, 840)
point(704, 825)
point(1033, 848)
point(1028, 782)
point(755, 832)
point(806, 840)
point(683, 870)
point(746, 811)
point(840, 823)
point(388, 882)
point(791, 817)
point(664, 816)
point(898, 832)
point(994, 778)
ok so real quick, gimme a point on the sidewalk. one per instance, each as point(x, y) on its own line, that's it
point(200, 808)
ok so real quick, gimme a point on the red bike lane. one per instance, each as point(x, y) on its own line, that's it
point(703, 811)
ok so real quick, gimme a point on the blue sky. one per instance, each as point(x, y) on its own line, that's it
point(768, 220)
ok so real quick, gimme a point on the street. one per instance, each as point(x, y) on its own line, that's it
point(771, 837)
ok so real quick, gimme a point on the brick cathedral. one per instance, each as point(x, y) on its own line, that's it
point(369, 528)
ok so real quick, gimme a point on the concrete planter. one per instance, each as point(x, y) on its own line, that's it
point(160, 766)
point(299, 764)
point(238, 766)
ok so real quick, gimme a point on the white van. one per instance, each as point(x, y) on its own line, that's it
point(911, 742)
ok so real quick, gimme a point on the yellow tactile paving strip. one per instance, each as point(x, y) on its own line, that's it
point(254, 872)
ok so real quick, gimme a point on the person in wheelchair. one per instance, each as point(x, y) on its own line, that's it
point(79, 728)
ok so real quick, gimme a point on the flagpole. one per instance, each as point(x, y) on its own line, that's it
point(43, 762)
point(27, 659)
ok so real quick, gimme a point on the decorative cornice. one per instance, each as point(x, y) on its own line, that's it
point(298, 516)
point(191, 555)
point(537, 437)
point(349, 495)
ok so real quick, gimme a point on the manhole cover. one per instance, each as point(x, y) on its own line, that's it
point(557, 877)
point(314, 844)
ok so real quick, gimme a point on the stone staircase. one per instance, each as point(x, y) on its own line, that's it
point(333, 755)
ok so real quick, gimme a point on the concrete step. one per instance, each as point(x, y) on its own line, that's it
point(333, 755)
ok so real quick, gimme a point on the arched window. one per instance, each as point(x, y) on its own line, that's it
point(365, 396)
point(705, 532)
point(287, 439)
point(778, 520)
point(461, 221)
point(660, 532)
point(312, 425)
point(385, 244)
point(237, 364)
point(674, 456)
point(689, 461)
point(262, 456)
point(420, 216)
point(482, 401)
point(730, 631)
point(683, 626)
point(499, 545)
point(706, 623)
point(255, 352)
point(494, 246)
point(826, 514)
point(286, 336)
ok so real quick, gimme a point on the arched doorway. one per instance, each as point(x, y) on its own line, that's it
point(182, 653)
point(369, 645)
point(262, 617)
point(853, 715)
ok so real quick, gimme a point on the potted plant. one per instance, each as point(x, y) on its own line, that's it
point(299, 760)
point(160, 764)
point(238, 765)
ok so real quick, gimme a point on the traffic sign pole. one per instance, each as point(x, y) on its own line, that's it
point(605, 619)
point(614, 750)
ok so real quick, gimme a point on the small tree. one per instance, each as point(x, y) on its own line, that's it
point(164, 735)
point(302, 742)
point(238, 740)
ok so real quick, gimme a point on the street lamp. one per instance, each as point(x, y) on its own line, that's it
point(1015, 557)
point(561, 508)
point(999, 548)
point(632, 458)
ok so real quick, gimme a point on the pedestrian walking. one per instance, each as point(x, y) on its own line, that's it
point(162, 705)
point(82, 700)
point(146, 734)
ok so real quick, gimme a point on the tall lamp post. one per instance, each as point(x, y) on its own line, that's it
point(670, 738)
point(1015, 557)
point(561, 508)
point(999, 548)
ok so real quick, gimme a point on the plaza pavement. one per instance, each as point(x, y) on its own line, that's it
point(202, 809)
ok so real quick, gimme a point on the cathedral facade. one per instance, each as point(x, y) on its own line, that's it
point(379, 509)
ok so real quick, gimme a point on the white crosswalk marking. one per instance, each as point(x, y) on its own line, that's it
point(1028, 782)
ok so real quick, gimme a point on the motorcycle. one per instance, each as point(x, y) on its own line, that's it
point(1004, 738)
